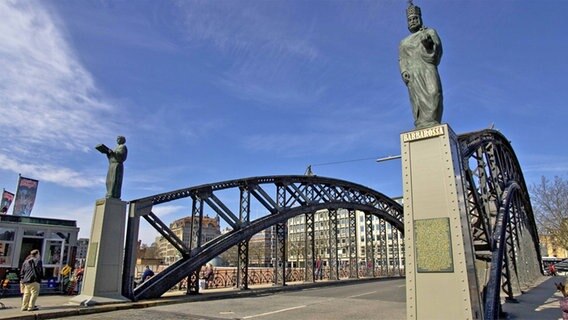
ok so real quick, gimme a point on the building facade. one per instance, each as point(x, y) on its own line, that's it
point(82, 246)
point(388, 248)
point(55, 239)
point(182, 229)
point(550, 248)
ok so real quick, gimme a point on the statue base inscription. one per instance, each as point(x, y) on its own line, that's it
point(438, 244)
point(433, 258)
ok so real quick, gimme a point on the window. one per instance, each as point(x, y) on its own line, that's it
point(6, 250)
point(6, 245)
point(6, 234)
point(34, 233)
point(53, 252)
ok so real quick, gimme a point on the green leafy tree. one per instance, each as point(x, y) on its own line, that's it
point(550, 204)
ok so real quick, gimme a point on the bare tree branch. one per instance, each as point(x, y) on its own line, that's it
point(550, 206)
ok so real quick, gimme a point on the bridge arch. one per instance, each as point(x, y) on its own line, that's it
point(292, 196)
point(502, 221)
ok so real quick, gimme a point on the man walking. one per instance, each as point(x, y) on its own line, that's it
point(31, 274)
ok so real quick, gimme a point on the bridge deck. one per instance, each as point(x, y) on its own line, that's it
point(541, 302)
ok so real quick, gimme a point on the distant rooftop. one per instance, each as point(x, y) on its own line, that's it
point(37, 220)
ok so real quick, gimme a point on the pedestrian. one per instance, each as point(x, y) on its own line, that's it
point(319, 274)
point(78, 278)
point(147, 274)
point(31, 274)
point(552, 270)
point(209, 276)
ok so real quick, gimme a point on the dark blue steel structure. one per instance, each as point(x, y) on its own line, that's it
point(502, 222)
point(294, 195)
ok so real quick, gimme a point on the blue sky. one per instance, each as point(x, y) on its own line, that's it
point(206, 91)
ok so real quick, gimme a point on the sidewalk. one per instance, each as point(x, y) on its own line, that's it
point(540, 302)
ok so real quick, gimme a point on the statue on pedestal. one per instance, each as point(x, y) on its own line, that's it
point(419, 56)
point(115, 173)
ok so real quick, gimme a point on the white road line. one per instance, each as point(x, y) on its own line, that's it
point(272, 312)
point(362, 294)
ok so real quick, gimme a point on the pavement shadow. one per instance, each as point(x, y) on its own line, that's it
point(540, 302)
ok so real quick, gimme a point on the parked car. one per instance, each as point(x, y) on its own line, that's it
point(562, 266)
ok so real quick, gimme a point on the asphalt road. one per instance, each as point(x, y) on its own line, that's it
point(381, 299)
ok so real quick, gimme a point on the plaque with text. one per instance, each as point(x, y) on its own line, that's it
point(433, 245)
point(92, 258)
point(423, 134)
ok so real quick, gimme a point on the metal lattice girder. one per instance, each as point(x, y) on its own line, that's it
point(279, 253)
point(242, 269)
point(222, 210)
point(333, 245)
point(383, 245)
point(309, 247)
point(193, 282)
point(302, 195)
point(243, 246)
point(369, 252)
point(503, 216)
point(478, 215)
point(264, 199)
point(161, 227)
point(353, 251)
point(302, 190)
point(395, 248)
point(196, 208)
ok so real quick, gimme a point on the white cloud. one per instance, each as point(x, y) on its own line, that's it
point(242, 29)
point(266, 49)
point(49, 173)
point(162, 211)
point(49, 100)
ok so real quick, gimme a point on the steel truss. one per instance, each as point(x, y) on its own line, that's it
point(283, 197)
point(501, 218)
point(502, 222)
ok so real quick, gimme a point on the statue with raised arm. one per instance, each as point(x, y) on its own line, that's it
point(419, 56)
point(116, 159)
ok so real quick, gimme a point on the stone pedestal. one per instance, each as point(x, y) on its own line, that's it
point(102, 277)
point(441, 282)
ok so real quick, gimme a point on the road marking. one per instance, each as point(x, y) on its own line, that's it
point(272, 312)
point(362, 294)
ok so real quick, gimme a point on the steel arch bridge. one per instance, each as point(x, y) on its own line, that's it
point(293, 196)
point(500, 214)
point(502, 221)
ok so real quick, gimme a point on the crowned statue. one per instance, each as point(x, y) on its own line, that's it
point(419, 56)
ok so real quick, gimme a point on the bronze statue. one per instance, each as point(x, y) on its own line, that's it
point(116, 159)
point(419, 56)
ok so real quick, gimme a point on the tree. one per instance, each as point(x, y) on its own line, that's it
point(550, 205)
point(231, 256)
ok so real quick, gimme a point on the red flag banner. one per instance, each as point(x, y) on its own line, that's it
point(25, 196)
point(7, 198)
